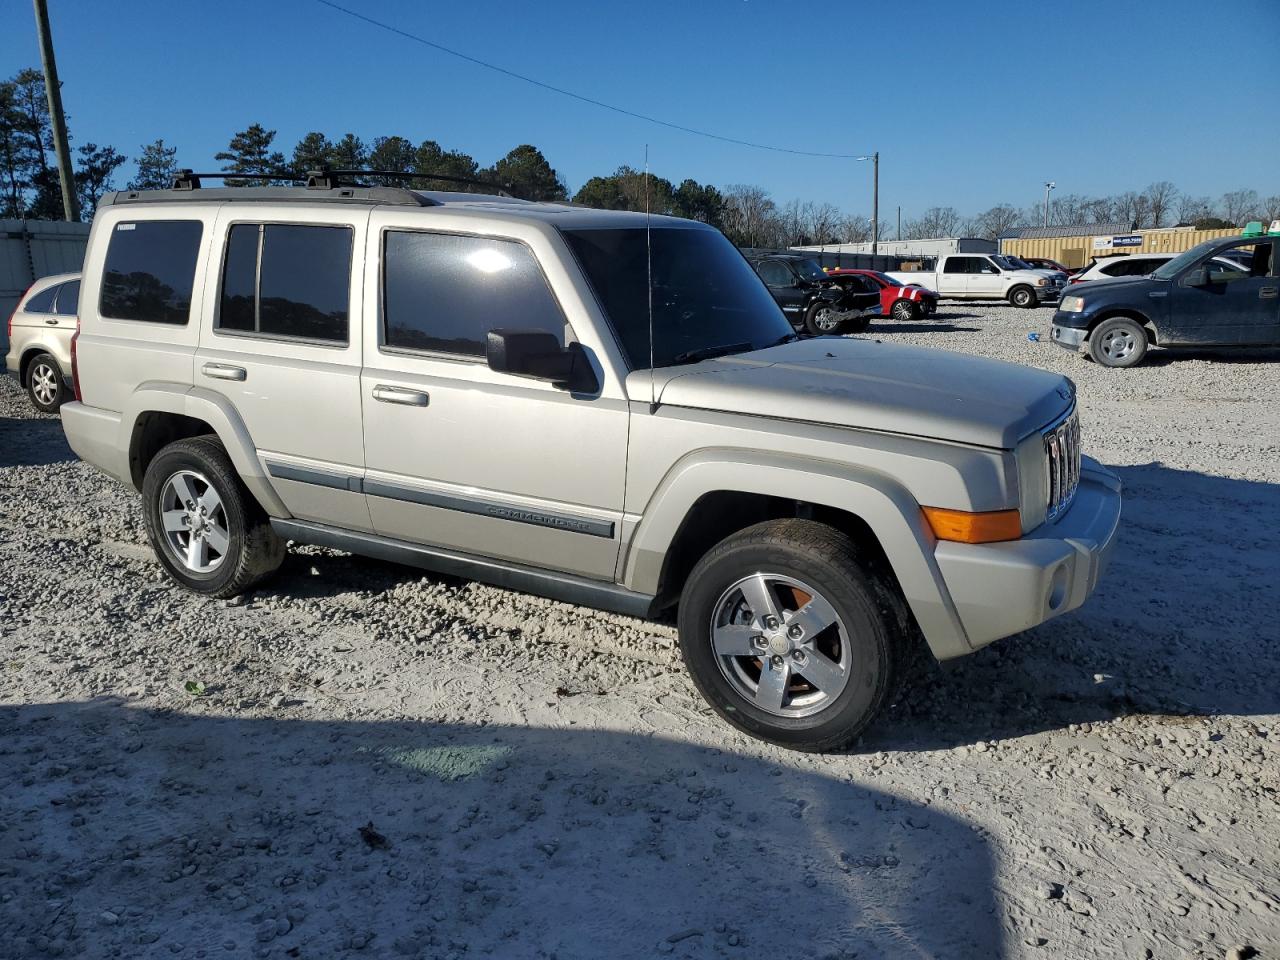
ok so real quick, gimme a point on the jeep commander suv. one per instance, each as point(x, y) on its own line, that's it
point(561, 401)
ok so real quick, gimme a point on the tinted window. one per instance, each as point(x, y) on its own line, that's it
point(68, 298)
point(775, 273)
point(956, 265)
point(287, 280)
point(42, 302)
point(445, 293)
point(1118, 269)
point(150, 268)
point(705, 295)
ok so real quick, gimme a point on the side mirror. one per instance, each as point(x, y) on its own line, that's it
point(538, 354)
point(1199, 277)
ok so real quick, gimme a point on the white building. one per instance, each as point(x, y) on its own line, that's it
point(910, 248)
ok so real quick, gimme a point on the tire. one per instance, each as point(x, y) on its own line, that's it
point(239, 547)
point(1118, 342)
point(862, 652)
point(904, 310)
point(45, 385)
point(814, 322)
point(1021, 296)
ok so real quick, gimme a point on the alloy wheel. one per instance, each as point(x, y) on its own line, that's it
point(44, 383)
point(194, 522)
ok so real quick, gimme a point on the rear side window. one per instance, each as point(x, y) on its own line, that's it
point(42, 302)
point(287, 280)
point(68, 298)
point(444, 293)
point(150, 269)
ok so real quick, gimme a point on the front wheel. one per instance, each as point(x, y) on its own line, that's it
point(904, 310)
point(45, 386)
point(1118, 342)
point(1022, 297)
point(822, 319)
point(790, 637)
point(205, 527)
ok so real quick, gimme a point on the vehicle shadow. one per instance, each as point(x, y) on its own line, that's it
point(917, 326)
point(1182, 626)
point(1163, 358)
point(152, 833)
point(35, 442)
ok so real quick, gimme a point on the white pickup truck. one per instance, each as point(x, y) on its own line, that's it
point(983, 276)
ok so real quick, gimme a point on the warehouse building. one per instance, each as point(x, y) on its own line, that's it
point(909, 249)
point(1076, 245)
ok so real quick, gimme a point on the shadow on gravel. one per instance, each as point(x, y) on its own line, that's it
point(37, 442)
point(1182, 627)
point(1163, 358)
point(918, 326)
point(139, 833)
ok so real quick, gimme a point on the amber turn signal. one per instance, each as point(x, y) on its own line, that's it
point(964, 527)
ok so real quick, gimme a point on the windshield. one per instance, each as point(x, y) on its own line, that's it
point(1175, 266)
point(886, 281)
point(1009, 263)
point(705, 295)
point(809, 270)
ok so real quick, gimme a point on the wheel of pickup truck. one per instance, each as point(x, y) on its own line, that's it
point(821, 320)
point(207, 530)
point(45, 385)
point(904, 310)
point(1118, 342)
point(1022, 296)
point(790, 637)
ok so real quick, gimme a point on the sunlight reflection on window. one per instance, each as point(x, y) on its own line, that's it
point(489, 261)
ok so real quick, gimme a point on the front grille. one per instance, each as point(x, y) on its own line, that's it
point(1062, 461)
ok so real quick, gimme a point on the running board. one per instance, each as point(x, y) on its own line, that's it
point(512, 576)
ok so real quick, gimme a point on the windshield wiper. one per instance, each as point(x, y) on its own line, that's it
point(787, 338)
point(707, 353)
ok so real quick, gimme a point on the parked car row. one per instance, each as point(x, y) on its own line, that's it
point(40, 331)
point(982, 276)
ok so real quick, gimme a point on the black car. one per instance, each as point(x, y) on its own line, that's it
point(810, 299)
point(1197, 299)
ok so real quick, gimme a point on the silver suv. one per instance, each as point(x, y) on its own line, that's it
point(582, 404)
point(40, 332)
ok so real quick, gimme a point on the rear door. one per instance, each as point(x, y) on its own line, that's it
point(1232, 306)
point(953, 277)
point(280, 339)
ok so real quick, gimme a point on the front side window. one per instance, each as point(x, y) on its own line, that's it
point(150, 270)
point(776, 274)
point(287, 280)
point(706, 300)
point(444, 292)
point(810, 270)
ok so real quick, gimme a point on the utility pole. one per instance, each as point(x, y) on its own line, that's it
point(899, 221)
point(1048, 185)
point(70, 205)
point(875, 204)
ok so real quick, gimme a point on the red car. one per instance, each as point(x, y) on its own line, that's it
point(910, 302)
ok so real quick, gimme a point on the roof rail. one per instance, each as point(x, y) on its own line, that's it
point(190, 180)
point(324, 178)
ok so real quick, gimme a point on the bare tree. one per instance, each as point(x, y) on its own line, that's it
point(822, 222)
point(1161, 196)
point(994, 222)
point(1239, 206)
point(855, 228)
point(747, 215)
point(1191, 209)
point(1271, 208)
point(934, 222)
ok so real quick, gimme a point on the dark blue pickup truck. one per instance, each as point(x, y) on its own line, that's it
point(1222, 293)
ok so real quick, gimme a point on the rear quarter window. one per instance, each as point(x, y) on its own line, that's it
point(150, 270)
point(42, 302)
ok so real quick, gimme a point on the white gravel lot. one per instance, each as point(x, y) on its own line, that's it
point(390, 764)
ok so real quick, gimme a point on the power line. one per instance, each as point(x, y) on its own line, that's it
point(577, 96)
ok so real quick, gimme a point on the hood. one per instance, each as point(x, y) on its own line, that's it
point(875, 386)
point(1095, 288)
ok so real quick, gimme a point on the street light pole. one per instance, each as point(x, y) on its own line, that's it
point(875, 204)
point(70, 205)
point(1048, 185)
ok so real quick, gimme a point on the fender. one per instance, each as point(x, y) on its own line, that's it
point(887, 508)
point(214, 409)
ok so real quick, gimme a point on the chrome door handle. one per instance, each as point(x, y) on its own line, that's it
point(51, 322)
point(223, 371)
point(410, 398)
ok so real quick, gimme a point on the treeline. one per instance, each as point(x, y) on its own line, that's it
point(746, 213)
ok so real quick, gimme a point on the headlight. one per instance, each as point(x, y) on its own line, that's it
point(1071, 304)
point(1041, 282)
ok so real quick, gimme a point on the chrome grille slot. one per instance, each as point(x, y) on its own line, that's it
point(1062, 463)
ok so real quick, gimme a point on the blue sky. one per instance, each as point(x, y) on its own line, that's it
point(970, 104)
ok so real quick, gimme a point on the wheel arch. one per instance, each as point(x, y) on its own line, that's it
point(707, 498)
point(28, 357)
point(157, 414)
point(1140, 318)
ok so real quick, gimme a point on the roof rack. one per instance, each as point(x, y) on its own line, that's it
point(324, 178)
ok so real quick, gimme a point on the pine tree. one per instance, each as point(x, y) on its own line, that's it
point(250, 152)
point(156, 166)
point(526, 170)
point(96, 166)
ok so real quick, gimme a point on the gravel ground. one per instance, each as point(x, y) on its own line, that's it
point(388, 764)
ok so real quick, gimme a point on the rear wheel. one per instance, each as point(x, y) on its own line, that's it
point(205, 527)
point(790, 637)
point(45, 386)
point(904, 310)
point(822, 319)
point(1118, 342)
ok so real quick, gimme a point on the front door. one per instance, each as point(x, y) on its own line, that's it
point(782, 283)
point(281, 342)
point(463, 457)
point(1229, 303)
point(984, 279)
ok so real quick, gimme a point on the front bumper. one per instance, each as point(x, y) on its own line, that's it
point(1069, 338)
point(1000, 589)
point(1048, 294)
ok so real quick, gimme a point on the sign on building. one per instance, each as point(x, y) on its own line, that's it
point(1107, 243)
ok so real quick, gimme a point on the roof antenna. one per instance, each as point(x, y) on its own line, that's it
point(648, 246)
